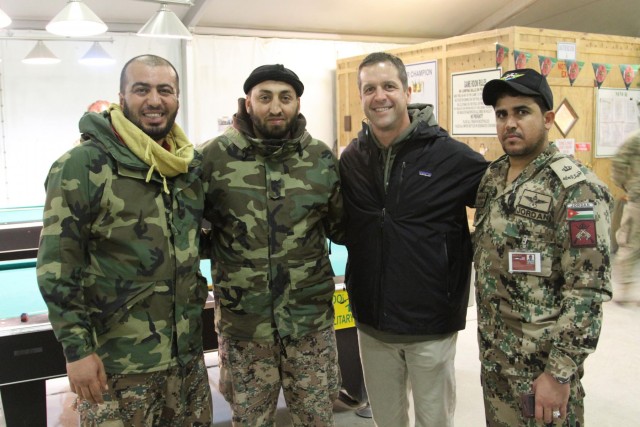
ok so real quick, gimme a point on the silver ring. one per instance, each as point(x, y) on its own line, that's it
point(556, 413)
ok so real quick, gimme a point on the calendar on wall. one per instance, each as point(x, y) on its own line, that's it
point(617, 115)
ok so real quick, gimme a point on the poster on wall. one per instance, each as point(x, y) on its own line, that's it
point(423, 81)
point(616, 117)
point(469, 115)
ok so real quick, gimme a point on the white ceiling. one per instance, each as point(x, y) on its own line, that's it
point(384, 20)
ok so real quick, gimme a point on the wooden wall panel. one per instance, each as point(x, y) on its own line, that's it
point(477, 51)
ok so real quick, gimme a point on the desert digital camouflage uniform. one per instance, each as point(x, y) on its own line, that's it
point(272, 205)
point(118, 263)
point(547, 321)
point(625, 173)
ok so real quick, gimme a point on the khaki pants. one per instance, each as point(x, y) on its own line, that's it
point(426, 368)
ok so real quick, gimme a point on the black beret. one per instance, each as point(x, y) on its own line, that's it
point(275, 72)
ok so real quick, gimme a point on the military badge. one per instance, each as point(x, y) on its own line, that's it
point(534, 205)
point(583, 233)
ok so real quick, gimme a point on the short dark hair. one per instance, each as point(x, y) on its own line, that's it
point(376, 57)
point(152, 61)
point(537, 99)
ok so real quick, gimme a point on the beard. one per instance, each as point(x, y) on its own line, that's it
point(525, 150)
point(269, 131)
point(154, 132)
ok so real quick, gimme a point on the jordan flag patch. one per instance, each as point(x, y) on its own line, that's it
point(580, 212)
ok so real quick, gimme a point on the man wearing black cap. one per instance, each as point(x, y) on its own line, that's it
point(272, 198)
point(541, 255)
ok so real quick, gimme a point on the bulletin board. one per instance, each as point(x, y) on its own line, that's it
point(616, 117)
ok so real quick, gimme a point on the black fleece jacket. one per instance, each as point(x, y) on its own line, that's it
point(409, 245)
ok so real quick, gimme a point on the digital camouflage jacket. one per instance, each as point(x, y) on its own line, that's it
point(272, 205)
point(118, 263)
point(543, 266)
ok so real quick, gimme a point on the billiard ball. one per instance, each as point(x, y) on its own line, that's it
point(24, 317)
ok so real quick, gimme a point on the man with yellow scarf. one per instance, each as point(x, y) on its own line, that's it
point(118, 263)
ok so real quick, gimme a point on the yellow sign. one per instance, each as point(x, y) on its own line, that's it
point(343, 317)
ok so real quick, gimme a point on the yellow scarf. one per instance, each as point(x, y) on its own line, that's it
point(168, 163)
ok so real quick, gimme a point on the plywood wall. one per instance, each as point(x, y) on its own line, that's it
point(477, 52)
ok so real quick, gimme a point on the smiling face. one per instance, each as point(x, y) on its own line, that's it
point(384, 100)
point(273, 107)
point(522, 127)
point(150, 98)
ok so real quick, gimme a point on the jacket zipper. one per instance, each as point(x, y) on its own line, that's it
point(404, 165)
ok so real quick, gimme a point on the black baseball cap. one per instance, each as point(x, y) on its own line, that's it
point(525, 82)
point(275, 72)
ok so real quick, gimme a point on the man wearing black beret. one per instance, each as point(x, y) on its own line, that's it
point(272, 196)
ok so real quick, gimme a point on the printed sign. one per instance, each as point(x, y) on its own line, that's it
point(469, 115)
point(343, 318)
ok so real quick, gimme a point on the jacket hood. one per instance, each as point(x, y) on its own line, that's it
point(422, 113)
point(270, 147)
point(97, 126)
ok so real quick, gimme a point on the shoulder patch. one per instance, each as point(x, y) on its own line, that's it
point(568, 172)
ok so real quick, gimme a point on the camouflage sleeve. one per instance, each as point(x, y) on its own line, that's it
point(334, 223)
point(621, 162)
point(585, 262)
point(63, 255)
point(206, 150)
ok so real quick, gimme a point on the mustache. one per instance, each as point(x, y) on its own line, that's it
point(512, 134)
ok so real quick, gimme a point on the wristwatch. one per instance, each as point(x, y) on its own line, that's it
point(562, 380)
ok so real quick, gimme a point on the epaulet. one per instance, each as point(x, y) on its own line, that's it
point(568, 172)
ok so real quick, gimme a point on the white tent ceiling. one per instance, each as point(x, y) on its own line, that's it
point(383, 20)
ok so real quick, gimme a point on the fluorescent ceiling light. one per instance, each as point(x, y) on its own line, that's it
point(76, 20)
point(40, 54)
point(166, 24)
point(96, 55)
point(4, 19)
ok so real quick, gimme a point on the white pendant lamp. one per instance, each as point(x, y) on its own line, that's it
point(4, 19)
point(96, 55)
point(40, 55)
point(166, 24)
point(76, 20)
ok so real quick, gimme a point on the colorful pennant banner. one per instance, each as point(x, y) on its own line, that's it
point(571, 68)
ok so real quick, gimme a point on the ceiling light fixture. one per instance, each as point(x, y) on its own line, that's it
point(96, 55)
point(4, 19)
point(76, 20)
point(40, 55)
point(166, 24)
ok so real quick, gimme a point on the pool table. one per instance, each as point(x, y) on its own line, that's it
point(30, 354)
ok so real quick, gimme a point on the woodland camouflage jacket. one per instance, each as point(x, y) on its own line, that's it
point(118, 263)
point(272, 205)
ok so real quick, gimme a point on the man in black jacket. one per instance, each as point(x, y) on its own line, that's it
point(406, 184)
